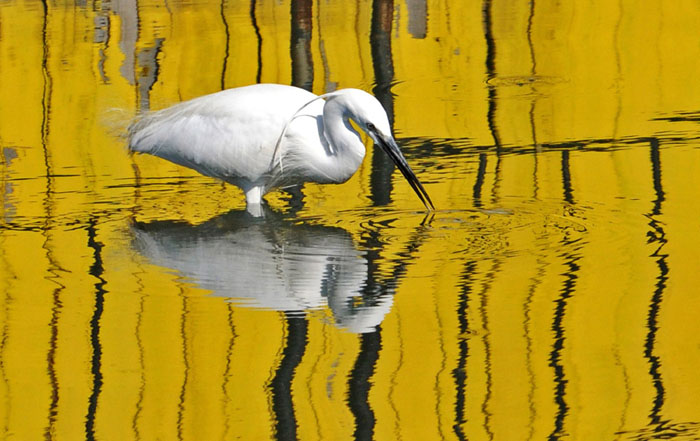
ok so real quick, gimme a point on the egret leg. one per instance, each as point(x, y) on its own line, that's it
point(253, 200)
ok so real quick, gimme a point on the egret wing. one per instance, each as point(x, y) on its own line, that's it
point(229, 135)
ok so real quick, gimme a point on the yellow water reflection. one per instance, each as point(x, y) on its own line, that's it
point(551, 296)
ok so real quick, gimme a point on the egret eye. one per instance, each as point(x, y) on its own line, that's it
point(371, 127)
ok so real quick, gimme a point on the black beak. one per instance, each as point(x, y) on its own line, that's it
point(392, 149)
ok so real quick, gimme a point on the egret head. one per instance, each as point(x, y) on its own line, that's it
point(368, 113)
point(364, 110)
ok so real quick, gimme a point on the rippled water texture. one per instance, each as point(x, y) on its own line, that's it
point(553, 295)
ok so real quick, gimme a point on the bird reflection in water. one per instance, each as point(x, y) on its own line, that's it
point(271, 263)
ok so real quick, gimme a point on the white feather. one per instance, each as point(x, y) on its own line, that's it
point(265, 136)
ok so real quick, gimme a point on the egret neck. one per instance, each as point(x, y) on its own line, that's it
point(345, 149)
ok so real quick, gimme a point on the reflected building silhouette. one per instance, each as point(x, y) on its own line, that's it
point(417, 18)
point(128, 13)
point(147, 72)
point(140, 65)
point(300, 45)
point(7, 156)
point(273, 263)
point(383, 65)
point(302, 67)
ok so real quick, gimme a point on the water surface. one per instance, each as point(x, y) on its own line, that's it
point(551, 296)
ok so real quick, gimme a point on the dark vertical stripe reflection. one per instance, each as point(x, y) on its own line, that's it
point(649, 343)
point(300, 44)
point(479, 183)
point(378, 285)
point(254, 21)
point(656, 235)
point(281, 385)
point(655, 157)
point(566, 177)
point(55, 310)
point(96, 270)
point(533, 73)
point(460, 372)
point(46, 97)
point(142, 365)
point(51, 363)
point(302, 71)
point(359, 384)
point(227, 33)
point(555, 355)
point(186, 370)
point(491, 72)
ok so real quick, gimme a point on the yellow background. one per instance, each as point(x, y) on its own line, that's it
point(563, 292)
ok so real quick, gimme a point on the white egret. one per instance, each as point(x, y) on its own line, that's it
point(267, 136)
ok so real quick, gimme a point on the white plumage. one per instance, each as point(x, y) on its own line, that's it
point(266, 136)
point(277, 264)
